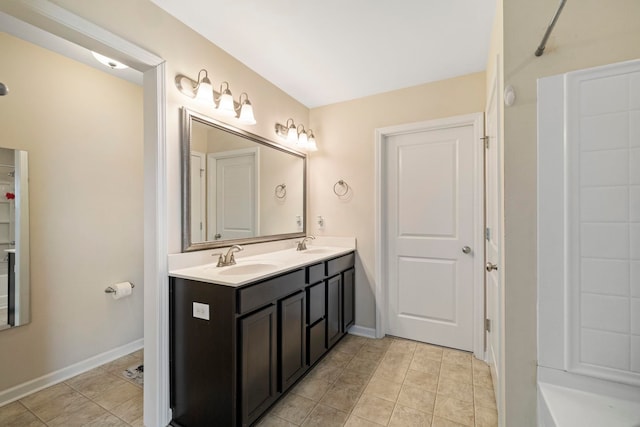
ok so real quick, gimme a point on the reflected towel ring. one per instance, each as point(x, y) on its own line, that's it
point(281, 191)
point(343, 184)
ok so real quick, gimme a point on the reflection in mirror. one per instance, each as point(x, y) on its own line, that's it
point(237, 187)
point(14, 238)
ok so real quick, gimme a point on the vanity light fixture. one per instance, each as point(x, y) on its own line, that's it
point(297, 135)
point(203, 89)
point(111, 63)
point(311, 143)
point(246, 110)
point(303, 138)
point(225, 101)
point(222, 102)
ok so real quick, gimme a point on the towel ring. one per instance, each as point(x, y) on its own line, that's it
point(341, 184)
point(281, 191)
point(110, 290)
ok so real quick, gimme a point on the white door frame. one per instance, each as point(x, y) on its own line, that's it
point(381, 135)
point(60, 22)
point(497, 325)
point(202, 197)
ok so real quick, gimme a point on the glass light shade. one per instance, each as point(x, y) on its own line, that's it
point(292, 134)
point(204, 92)
point(225, 104)
point(246, 114)
point(311, 143)
point(303, 139)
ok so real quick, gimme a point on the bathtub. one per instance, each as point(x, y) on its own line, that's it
point(567, 400)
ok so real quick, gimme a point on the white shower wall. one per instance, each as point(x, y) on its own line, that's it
point(589, 223)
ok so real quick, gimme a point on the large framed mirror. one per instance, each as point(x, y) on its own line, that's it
point(15, 307)
point(238, 187)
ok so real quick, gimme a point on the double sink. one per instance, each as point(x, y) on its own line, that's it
point(251, 268)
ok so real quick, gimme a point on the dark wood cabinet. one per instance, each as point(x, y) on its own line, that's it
point(292, 347)
point(348, 299)
point(258, 363)
point(253, 342)
point(334, 310)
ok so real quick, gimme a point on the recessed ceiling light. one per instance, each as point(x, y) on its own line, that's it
point(111, 63)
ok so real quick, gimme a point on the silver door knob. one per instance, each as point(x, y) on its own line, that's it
point(217, 236)
point(466, 250)
point(490, 267)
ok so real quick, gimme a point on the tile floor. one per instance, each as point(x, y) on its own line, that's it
point(102, 397)
point(390, 382)
point(361, 382)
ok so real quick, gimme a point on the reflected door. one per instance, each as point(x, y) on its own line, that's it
point(236, 195)
point(430, 221)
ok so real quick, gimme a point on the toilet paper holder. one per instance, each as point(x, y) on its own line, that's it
point(110, 290)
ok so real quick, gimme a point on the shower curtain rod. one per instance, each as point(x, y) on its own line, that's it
point(543, 43)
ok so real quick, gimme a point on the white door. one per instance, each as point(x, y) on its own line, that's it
point(430, 235)
point(197, 197)
point(493, 289)
point(234, 188)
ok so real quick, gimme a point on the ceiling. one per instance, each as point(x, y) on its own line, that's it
point(323, 52)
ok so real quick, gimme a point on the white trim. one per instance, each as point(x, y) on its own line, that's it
point(35, 385)
point(362, 331)
point(60, 22)
point(477, 121)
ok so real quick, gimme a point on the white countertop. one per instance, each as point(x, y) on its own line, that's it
point(257, 266)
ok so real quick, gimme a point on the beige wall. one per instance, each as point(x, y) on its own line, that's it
point(186, 52)
point(83, 131)
point(588, 33)
point(345, 133)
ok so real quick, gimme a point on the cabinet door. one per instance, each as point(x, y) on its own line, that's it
point(258, 367)
point(334, 310)
point(348, 313)
point(315, 303)
point(293, 361)
point(317, 342)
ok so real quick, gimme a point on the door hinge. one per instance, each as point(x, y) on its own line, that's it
point(487, 233)
point(487, 325)
point(486, 141)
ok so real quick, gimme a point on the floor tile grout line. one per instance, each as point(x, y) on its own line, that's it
point(93, 400)
point(31, 412)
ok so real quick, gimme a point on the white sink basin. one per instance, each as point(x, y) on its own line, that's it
point(317, 251)
point(243, 269)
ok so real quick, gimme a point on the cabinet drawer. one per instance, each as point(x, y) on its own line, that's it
point(316, 341)
point(315, 273)
point(336, 265)
point(265, 292)
point(315, 301)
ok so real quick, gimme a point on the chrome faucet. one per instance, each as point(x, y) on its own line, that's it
point(228, 259)
point(302, 244)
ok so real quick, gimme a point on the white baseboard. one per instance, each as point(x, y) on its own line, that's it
point(361, 331)
point(29, 387)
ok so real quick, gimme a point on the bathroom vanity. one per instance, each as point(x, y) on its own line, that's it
point(238, 342)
